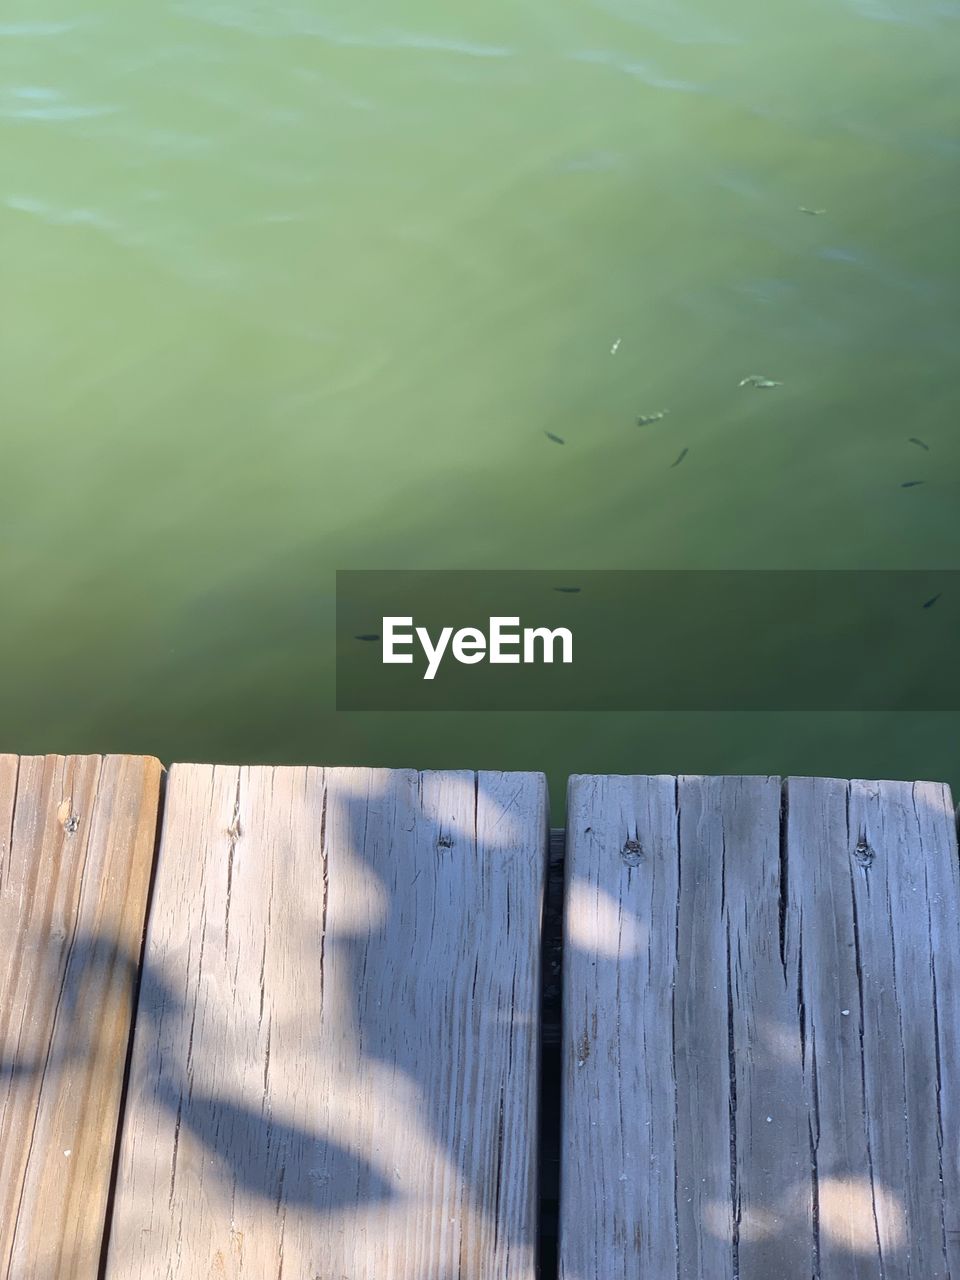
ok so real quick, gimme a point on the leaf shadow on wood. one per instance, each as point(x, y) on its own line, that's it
point(252, 1148)
point(310, 1171)
point(429, 953)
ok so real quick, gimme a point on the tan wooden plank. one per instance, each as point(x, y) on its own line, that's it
point(76, 848)
point(336, 1052)
point(788, 1069)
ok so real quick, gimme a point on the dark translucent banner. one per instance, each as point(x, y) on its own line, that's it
point(648, 640)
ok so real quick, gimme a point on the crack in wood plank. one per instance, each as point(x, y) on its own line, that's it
point(805, 927)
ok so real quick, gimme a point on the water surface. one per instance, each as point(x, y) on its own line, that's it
point(291, 287)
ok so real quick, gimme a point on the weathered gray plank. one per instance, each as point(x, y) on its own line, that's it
point(76, 849)
point(743, 1151)
point(618, 1170)
point(335, 1060)
point(874, 908)
point(788, 1067)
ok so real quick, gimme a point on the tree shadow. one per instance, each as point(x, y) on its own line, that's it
point(294, 1161)
point(253, 1149)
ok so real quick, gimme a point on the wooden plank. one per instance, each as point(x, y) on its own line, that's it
point(76, 849)
point(874, 938)
point(742, 1144)
point(618, 1171)
point(336, 1051)
point(774, 1091)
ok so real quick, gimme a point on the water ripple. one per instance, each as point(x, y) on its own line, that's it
point(444, 44)
point(55, 217)
point(31, 29)
point(640, 70)
point(669, 22)
point(35, 93)
point(273, 21)
point(58, 113)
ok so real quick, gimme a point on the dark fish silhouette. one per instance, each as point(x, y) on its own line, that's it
point(928, 604)
point(568, 591)
point(911, 484)
point(369, 635)
point(555, 439)
point(682, 455)
point(914, 440)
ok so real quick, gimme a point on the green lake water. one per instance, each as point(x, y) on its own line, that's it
point(292, 287)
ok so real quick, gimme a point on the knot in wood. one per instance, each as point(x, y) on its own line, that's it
point(864, 853)
point(632, 853)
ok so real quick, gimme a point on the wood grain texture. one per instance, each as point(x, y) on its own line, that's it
point(336, 1053)
point(762, 1030)
point(873, 935)
point(77, 839)
point(618, 1168)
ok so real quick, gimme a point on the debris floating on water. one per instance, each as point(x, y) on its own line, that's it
point(368, 635)
point(616, 347)
point(555, 439)
point(645, 419)
point(928, 604)
point(911, 484)
point(568, 591)
point(914, 440)
point(759, 380)
point(683, 453)
point(814, 213)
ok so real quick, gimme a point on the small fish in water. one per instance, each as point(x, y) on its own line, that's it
point(645, 419)
point(911, 484)
point(928, 604)
point(758, 380)
point(814, 213)
point(616, 347)
point(568, 591)
point(369, 636)
point(683, 454)
point(919, 443)
point(555, 439)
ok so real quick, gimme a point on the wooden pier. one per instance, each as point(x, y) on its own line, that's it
point(304, 1023)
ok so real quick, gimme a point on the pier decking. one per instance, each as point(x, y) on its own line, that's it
point(300, 1022)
